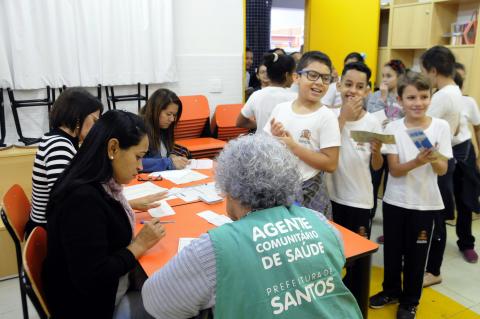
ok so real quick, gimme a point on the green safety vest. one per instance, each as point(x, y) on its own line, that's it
point(280, 263)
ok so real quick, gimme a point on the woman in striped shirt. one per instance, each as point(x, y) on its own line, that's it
point(72, 116)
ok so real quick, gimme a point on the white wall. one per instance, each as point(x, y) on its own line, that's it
point(209, 40)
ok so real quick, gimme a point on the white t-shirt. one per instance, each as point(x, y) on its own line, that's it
point(447, 104)
point(332, 97)
point(418, 189)
point(470, 115)
point(262, 102)
point(351, 183)
point(313, 131)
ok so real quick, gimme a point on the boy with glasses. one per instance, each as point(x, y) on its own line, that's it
point(309, 129)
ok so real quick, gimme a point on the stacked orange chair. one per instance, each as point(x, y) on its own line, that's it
point(34, 254)
point(224, 122)
point(193, 124)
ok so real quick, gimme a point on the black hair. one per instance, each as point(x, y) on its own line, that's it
point(458, 79)
point(314, 56)
point(72, 107)
point(460, 66)
point(277, 49)
point(277, 65)
point(397, 66)
point(354, 55)
point(248, 50)
point(91, 164)
point(158, 101)
point(418, 80)
point(360, 67)
point(440, 58)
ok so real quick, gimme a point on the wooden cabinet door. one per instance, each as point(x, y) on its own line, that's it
point(411, 26)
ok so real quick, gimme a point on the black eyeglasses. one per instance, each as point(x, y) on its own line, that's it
point(314, 76)
point(147, 178)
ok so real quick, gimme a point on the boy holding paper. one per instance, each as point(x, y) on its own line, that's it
point(412, 198)
point(350, 186)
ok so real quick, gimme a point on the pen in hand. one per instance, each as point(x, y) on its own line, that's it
point(160, 222)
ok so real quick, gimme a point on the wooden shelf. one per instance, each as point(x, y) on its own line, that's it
point(464, 46)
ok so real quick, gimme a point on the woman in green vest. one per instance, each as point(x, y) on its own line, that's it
point(276, 260)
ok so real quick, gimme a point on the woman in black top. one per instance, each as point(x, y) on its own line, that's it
point(91, 248)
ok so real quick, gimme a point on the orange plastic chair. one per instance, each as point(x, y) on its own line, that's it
point(33, 256)
point(194, 123)
point(15, 212)
point(224, 122)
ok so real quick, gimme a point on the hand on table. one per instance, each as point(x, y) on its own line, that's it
point(146, 202)
point(179, 162)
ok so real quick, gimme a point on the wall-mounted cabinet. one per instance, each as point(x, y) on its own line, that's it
point(411, 25)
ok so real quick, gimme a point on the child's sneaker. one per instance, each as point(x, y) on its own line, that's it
point(430, 279)
point(380, 239)
point(406, 312)
point(470, 256)
point(381, 299)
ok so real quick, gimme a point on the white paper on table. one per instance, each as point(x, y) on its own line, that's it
point(180, 176)
point(200, 164)
point(188, 195)
point(161, 211)
point(184, 242)
point(140, 190)
point(214, 218)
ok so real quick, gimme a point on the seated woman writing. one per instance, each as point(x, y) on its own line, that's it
point(276, 260)
point(91, 249)
point(161, 114)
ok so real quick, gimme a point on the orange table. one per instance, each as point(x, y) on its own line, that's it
point(358, 250)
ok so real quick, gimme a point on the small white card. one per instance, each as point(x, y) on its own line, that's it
point(214, 218)
point(200, 164)
point(161, 211)
point(184, 242)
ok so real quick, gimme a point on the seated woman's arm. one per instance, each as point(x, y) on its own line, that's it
point(156, 164)
point(185, 285)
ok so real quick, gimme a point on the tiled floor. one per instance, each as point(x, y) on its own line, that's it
point(461, 280)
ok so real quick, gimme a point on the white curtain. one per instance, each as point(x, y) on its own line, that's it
point(85, 42)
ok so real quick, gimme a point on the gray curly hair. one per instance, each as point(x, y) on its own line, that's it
point(259, 172)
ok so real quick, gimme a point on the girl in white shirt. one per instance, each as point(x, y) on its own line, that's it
point(309, 129)
point(412, 197)
point(260, 104)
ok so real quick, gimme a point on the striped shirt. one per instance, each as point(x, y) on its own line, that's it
point(187, 283)
point(55, 152)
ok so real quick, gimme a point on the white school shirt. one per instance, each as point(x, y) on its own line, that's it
point(332, 98)
point(418, 189)
point(262, 102)
point(470, 115)
point(447, 104)
point(313, 131)
point(351, 183)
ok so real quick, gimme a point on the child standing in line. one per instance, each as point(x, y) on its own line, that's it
point(257, 109)
point(309, 129)
point(350, 186)
point(412, 198)
point(383, 104)
point(459, 187)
